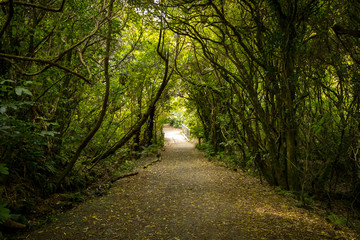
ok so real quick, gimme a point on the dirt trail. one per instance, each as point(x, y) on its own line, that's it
point(186, 197)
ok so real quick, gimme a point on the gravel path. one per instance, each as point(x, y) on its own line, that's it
point(184, 196)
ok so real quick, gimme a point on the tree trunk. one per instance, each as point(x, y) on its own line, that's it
point(150, 129)
point(98, 123)
point(291, 126)
point(137, 127)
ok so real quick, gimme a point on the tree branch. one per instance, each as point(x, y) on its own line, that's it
point(102, 114)
point(80, 51)
point(9, 17)
point(144, 118)
point(36, 6)
point(28, 59)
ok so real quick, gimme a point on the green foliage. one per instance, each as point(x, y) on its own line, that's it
point(46, 113)
point(126, 166)
point(75, 197)
point(232, 161)
point(296, 127)
point(20, 91)
point(197, 131)
point(50, 218)
point(207, 148)
point(337, 220)
point(305, 202)
point(286, 193)
point(4, 212)
point(3, 169)
point(175, 123)
point(279, 101)
point(309, 201)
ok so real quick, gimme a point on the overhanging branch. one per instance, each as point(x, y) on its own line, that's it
point(59, 9)
point(29, 59)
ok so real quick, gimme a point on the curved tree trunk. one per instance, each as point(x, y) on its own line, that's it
point(98, 123)
point(137, 127)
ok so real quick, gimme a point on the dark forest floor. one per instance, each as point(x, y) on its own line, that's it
point(184, 196)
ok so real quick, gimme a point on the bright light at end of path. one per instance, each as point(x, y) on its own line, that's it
point(173, 134)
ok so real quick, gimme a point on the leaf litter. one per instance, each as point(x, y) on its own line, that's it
point(184, 196)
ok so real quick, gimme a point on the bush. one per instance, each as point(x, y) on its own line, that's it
point(207, 148)
point(175, 123)
point(337, 220)
point(4, 212)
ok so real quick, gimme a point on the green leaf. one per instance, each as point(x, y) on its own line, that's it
point(3, 109)
point(48, 133)
point(3, 169)
point(6, 105)
point(337, 220)
point(32, 83)
point(5, 81)
point(20, 90)
point(4, 212)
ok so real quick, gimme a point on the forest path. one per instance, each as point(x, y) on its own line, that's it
point(184, 196)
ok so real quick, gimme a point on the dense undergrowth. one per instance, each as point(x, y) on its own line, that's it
point(37, 207)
